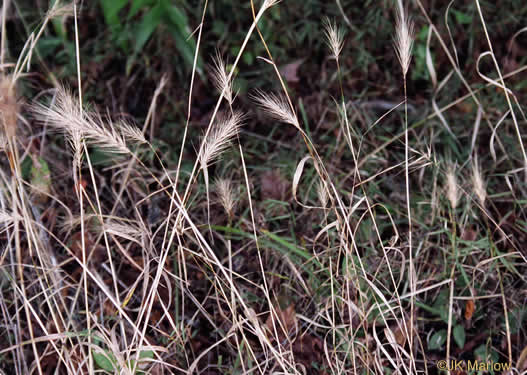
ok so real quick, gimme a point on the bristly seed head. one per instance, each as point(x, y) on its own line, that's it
point(220, 78)
point(322, 194)
point(222, 133)
point(68, 116)
point(451, 186)
point(61, 10)
point(226, 195)
point(478, 184)
point(404, 39)
point(277, 107)
point(334, 38)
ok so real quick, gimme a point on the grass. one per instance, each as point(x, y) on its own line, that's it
point(257, 207)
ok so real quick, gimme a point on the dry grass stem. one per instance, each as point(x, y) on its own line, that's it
point(8, 106)
point(269, 3)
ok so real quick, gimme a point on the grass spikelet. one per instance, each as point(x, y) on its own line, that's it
point(8, 106)
point(478, 184)
point(125, 230)
point(322, 194)
point(131, 132)
point(334, 38)
point(61, 10)
point(276, 107)
point(225, 129)
point(220, 78)
point(452, 191)
point(226, 196)
point(67, 116)
point(404, 39)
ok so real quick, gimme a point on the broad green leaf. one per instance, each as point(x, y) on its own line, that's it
point(137, 5)
point(176, 16)
point(111, 10)
point(459, 335)
point(105, 361)
point(482, 354)
point(186, 48)
point(147, 26)
point(437, 340)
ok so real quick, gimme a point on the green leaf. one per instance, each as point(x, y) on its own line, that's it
point(105, 361)
point(177, 23)
point(176, 17)
point(110, 9)
point(459, 335)
point(26, 166)
point(146, 354)
point(248, 58)
point(137, 5)
point(437, 340)
point(461, 17)
point(147, 26)
point(41, 178)
point(186, 48)
point(481, 353)
point(516, 317)
point(48, 45)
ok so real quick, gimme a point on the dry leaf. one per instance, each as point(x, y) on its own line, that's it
point(469, 234)
point(397, 333)
point(273, 185)
point(286, 323)
point(290, 71)
point(470, 307)
point(466, 107)
point(521, 365)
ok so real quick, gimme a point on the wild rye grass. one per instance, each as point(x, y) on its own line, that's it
point(368, 250)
